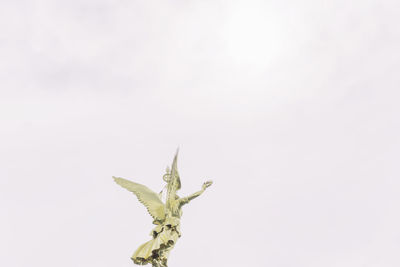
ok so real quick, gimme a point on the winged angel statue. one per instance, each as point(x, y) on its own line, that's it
point(166, 216)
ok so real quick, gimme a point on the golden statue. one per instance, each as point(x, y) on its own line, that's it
point(166, 216)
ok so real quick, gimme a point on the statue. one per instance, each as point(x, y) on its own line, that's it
point(166, 216)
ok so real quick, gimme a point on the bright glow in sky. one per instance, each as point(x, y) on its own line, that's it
point(254, 35)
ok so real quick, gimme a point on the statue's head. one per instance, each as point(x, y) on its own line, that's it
point(178, 182)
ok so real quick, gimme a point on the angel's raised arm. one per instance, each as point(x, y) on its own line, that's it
point(186, 200)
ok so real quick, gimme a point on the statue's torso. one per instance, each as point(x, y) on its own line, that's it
point(172, 219)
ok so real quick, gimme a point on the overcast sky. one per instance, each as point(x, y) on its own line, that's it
point(291, 107)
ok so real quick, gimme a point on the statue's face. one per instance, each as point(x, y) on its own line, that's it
point(167, 178)
point(178, 184)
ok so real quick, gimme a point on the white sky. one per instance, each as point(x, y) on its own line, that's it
point(291, 107)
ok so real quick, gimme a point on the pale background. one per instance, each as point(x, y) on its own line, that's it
point(291, 107)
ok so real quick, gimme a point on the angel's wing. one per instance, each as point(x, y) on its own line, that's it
point(174, 182)
point(147, 197)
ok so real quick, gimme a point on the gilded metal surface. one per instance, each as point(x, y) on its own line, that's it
point(166, 216)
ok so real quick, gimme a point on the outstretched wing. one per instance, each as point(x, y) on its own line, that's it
point(146, 196)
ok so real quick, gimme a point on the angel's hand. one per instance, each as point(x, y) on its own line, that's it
point(207, 184)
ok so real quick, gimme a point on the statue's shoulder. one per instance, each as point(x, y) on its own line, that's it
point(183, 200)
